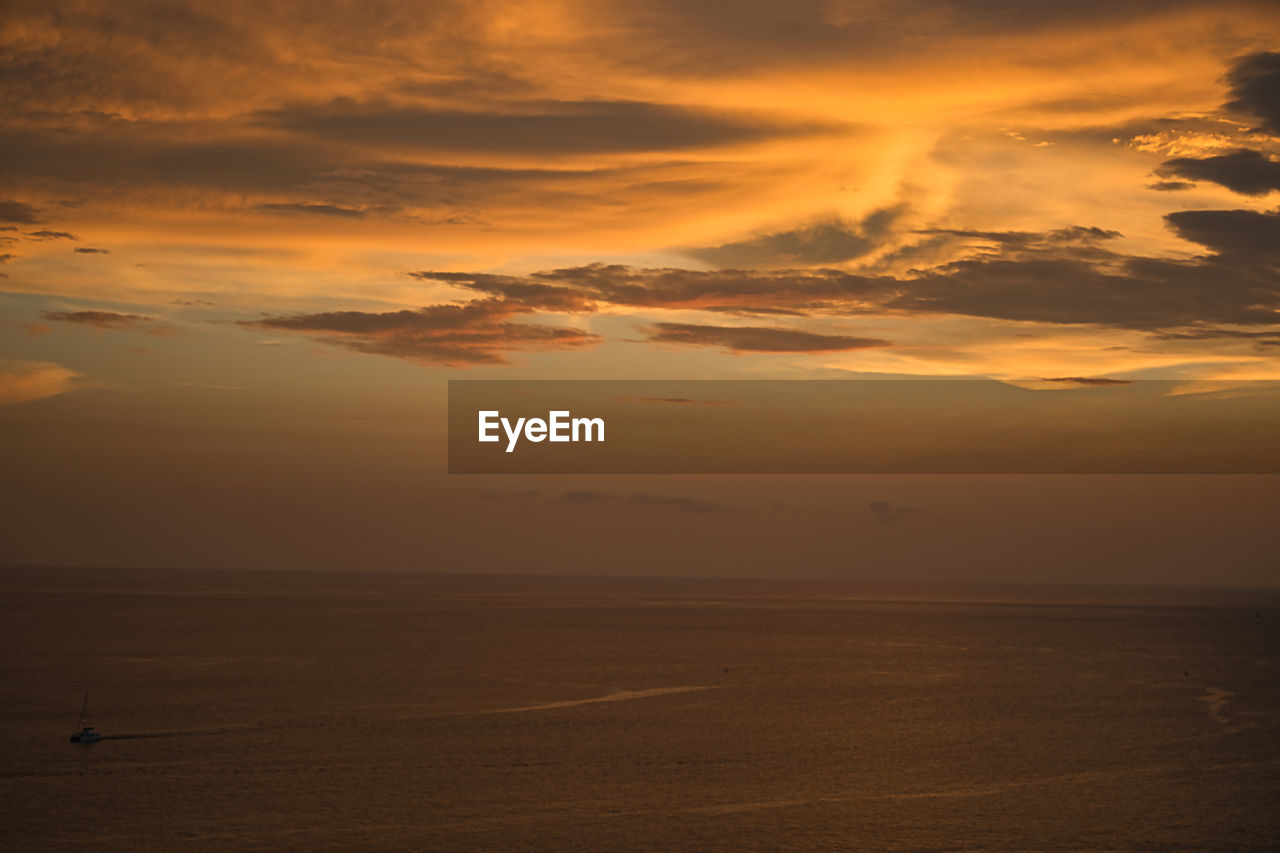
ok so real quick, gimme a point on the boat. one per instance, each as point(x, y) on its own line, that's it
point(87, 734)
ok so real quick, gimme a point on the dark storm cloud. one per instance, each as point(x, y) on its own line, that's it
point(535, 127)
point(1244, 172)
point(16, 211)
point(85, 250)
point(1170, 186)
point(97, 319)
point(6, 257)
point(478, 332)
point(1255, 88)
point(758, 338)
point(52, 235)
point(828, 242)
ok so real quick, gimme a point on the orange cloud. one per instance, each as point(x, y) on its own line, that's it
point(24, 381)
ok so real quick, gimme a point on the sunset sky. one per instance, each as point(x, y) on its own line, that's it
point(244, 246)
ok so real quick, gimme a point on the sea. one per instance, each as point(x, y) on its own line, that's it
point(294, 711)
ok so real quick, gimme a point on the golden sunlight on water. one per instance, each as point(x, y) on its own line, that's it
point(337, 712)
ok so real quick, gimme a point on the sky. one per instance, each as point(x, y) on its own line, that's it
point(245, 245)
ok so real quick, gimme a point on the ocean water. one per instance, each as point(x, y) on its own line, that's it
point(277, 711)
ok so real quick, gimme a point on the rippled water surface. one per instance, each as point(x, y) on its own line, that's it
point(335, 712)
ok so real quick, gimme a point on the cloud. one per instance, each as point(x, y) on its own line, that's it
point(107, 320)
point(52, 235)
point(1086, 380)
point(1028, 241)
point(84, 250)
point(1066, 276)
point(1170, 186)
point(1208, 333)
point(6, 257)
point(1238, 237)
point(24, 381)
point(477, 332)
point(319, 209)
point(758, 338)
point(617, 284)
point(99, 319)
point(1244, 172)
point(16, 211)
point(1255, 88)
point(829, 242)
point(531, 127)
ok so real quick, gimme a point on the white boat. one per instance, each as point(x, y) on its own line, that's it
point(87, 734)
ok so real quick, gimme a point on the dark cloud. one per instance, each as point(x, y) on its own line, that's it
point(6, 257)
point(1234, 284)
point(477, 332)
point(758, 311)
point(85, 250)
point(16, 211)
point(827, 242)
point(319, 209)
point(757, 338)
point(738, 37)
point(1209, 333)
point(316, 176)
point(786, 291)
point(97, 319)
point(532, 127)
point(1244, 172)
point(1239, 237)
point(1255, 88)
point(1075, 235)
point(1170, 186)
point(52, 235)
point(1087, 380)
point(1066, 276)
